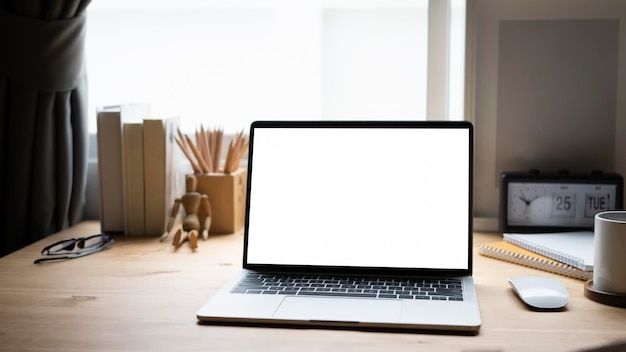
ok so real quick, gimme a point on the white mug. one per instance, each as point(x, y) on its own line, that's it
point(609, 268)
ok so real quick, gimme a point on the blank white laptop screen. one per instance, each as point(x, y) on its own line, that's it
point(360, 197)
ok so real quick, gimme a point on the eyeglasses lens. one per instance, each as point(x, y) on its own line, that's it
point(92, 241)
point(66, 245)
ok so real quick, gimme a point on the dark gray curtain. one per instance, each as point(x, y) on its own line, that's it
point(43, 118)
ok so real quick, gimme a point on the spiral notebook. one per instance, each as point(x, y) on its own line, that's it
point(572, 248)
point(511, 253)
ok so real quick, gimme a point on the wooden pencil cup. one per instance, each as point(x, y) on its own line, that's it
point(227, 195)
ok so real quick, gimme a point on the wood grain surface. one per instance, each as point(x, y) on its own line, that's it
point(142, 295)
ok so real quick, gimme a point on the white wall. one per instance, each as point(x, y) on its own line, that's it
point(485, 90)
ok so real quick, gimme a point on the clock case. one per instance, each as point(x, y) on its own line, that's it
point(594, 178)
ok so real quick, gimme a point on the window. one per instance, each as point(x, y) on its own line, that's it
point(229, 62)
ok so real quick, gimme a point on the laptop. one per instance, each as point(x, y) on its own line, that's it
point(357, 225)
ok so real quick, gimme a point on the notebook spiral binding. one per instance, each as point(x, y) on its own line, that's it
point(511, 253)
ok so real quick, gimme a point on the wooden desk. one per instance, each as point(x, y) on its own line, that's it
point(141, 295)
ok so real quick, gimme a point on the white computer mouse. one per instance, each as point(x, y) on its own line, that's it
point(540, 292)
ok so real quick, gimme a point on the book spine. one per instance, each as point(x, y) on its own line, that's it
point(546, 252)
point(133, 167)
point(109, 134)
point(535, 263)
point(154, 175)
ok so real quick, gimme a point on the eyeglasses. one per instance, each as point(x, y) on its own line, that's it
point(75, 247)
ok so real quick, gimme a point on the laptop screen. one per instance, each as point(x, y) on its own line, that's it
point(360, 195)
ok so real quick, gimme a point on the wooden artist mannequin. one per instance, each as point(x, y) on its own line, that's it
point(197, 218)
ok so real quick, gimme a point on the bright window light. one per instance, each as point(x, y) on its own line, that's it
point(227, 63)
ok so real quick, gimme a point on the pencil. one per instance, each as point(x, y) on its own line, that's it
point(199, 158)
point(194, 165)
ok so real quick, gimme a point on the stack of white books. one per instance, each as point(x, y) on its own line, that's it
point(137, 169)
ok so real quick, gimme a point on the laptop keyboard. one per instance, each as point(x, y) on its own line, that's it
point(448, 289)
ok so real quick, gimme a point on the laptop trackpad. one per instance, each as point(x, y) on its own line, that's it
point(338, 309)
